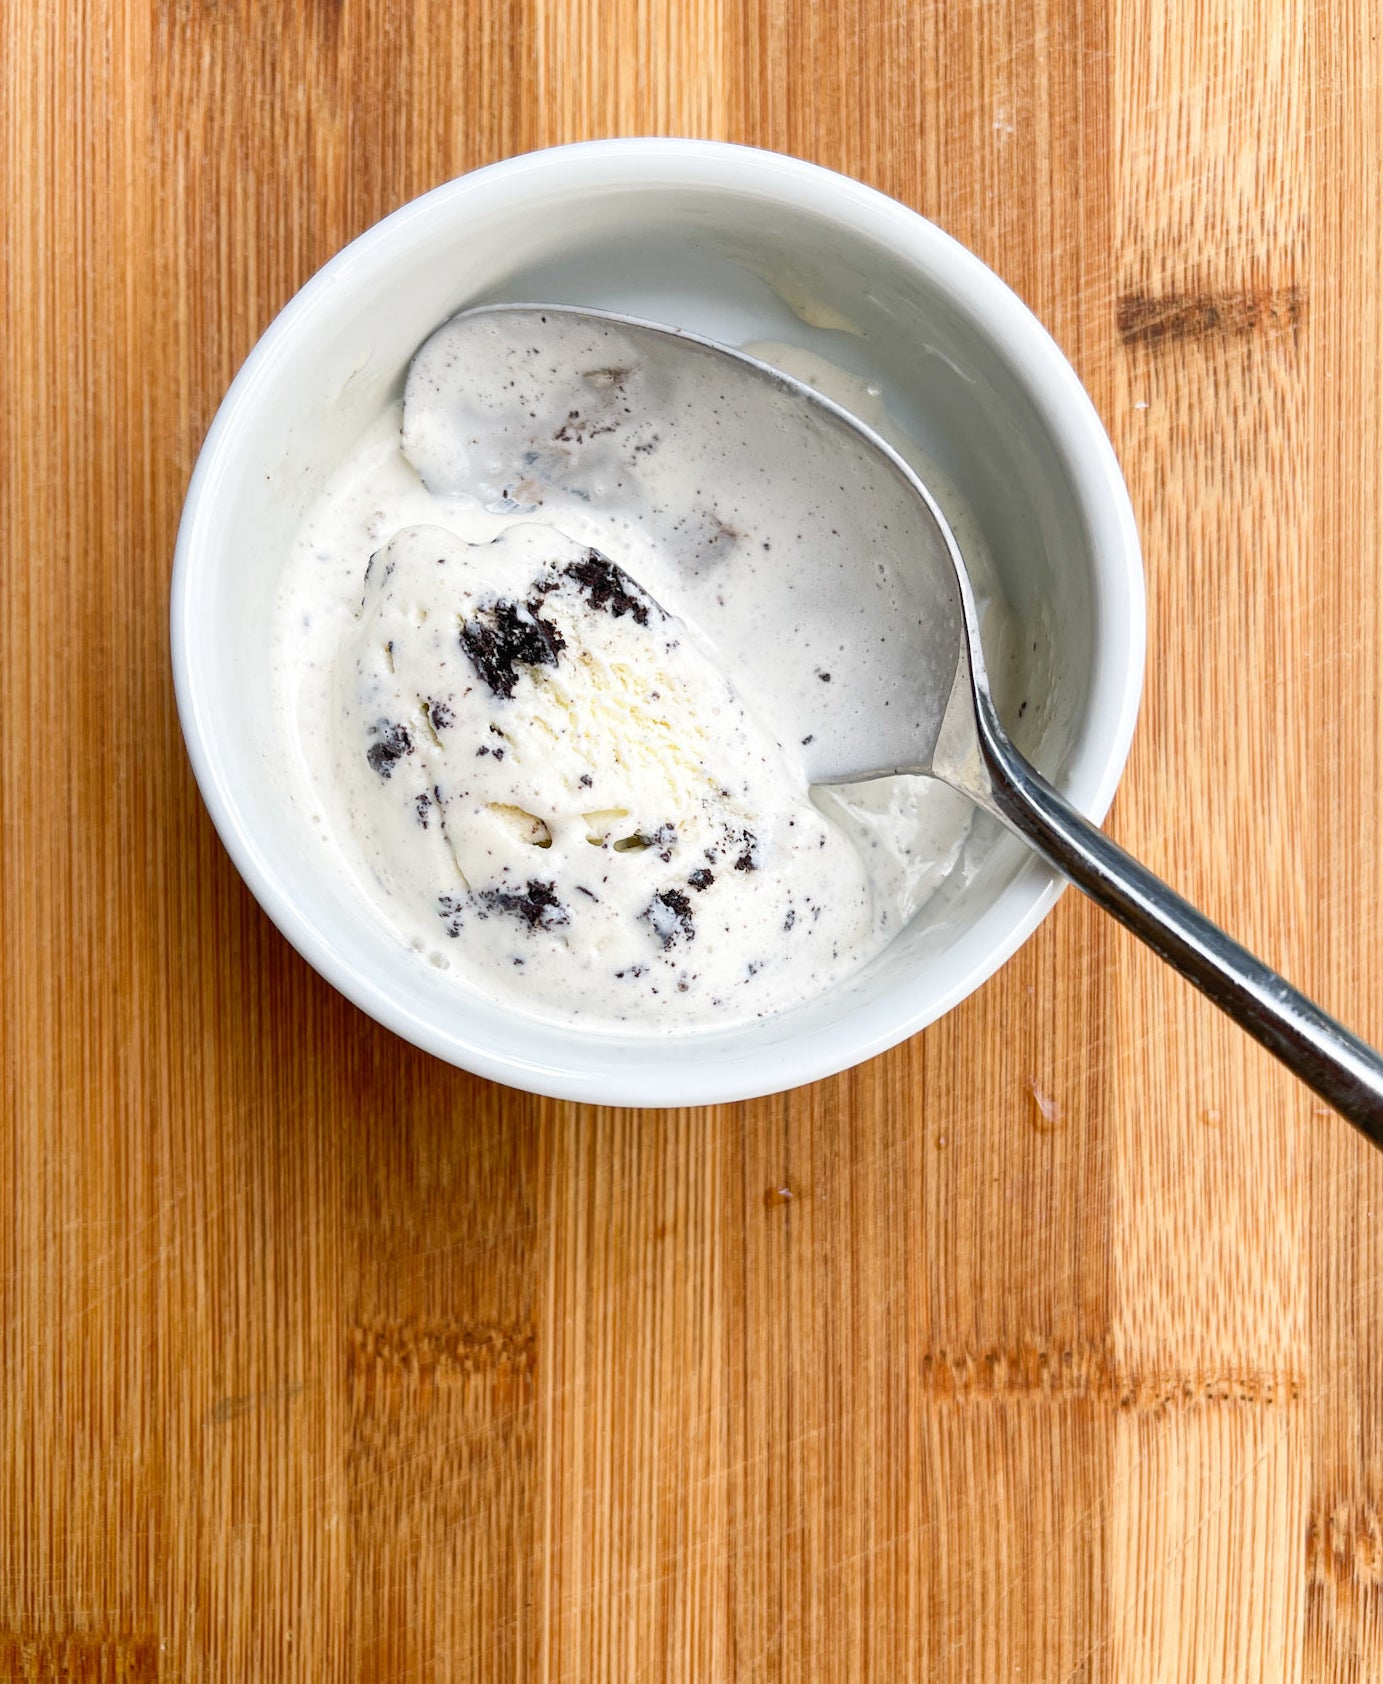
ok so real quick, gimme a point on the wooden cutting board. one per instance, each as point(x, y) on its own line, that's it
point(1049, 1346)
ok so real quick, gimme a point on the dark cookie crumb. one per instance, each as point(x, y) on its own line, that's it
point(590, 894)
point(748, 859)
point(508, 635)
point(670, 914)
point(439, 713)
point(576, 431)
point(585, 780)
point(701, 878)
point(664, 839)
point(790, 920)
point(421, 805)
point(391, 743)
point(537, 906)
point(609, 587)
point(388, 569)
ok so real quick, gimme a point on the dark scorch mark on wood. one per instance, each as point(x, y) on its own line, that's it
point(1157, 319)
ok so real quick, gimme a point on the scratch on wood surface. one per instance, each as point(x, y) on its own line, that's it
point(1139, 1628)
point(1048, 1117)
point(1157, 319)
point(232, 1408)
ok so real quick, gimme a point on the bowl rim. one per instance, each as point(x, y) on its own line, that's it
point(1093, 767)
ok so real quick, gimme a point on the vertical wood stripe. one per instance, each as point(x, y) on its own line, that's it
point(319, 1360)
point(1339, 664)
point(1211, 418)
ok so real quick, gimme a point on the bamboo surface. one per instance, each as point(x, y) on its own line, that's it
point(320, 1360)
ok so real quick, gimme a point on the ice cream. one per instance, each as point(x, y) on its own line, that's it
point(548, 768)
point(521, 741)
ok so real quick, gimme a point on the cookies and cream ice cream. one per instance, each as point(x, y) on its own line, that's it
point(519, 741)
point(545, 766)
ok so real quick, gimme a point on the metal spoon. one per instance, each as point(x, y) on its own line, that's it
point(575, 401)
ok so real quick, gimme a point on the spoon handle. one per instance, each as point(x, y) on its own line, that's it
point(1340, 1067)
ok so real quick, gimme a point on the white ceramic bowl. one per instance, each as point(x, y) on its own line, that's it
point(741, 246)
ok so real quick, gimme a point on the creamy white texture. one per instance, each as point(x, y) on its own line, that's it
point(692, 880)
point(550, 769)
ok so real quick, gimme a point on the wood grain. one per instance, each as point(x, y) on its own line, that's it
point(1045, 1346)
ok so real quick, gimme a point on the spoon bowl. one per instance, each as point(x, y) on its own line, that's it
point(775, 457)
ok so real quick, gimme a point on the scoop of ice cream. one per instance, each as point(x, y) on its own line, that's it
point(550, 772)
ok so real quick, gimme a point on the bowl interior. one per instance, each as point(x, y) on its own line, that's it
point(741, 253)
